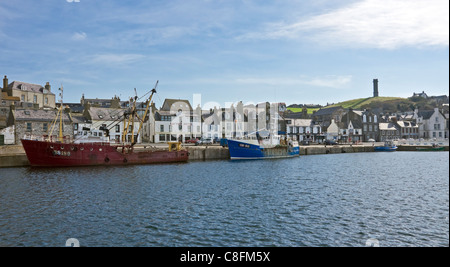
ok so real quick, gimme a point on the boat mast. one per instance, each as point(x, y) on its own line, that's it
point(147, 103)
point(132, 114)
point(61, 135)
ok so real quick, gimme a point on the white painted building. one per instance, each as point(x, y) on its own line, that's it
point(432, 124)
point(302, 129)
point(333, 131)
point(177, 121)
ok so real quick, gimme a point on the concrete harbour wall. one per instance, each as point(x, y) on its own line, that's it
point(14, 156)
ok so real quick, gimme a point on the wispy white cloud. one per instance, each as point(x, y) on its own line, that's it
point(331, 81)
point(114, 58)
point(386, 24)
point(79, 36)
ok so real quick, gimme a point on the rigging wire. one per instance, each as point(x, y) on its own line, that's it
point(120, 117)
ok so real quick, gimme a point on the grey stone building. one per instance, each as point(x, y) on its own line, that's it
point(370, 126)
point(38, 123)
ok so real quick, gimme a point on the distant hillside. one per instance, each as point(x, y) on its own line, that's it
point(310, 110)
point(385, 104)
point(370, 101)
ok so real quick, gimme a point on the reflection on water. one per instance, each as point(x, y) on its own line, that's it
point(399, 199)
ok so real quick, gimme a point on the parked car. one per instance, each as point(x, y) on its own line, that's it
point(330, 142)
point(204, 141)
point(192, 141)
point(371, 140)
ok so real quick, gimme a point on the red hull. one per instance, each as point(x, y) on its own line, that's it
point(51, 154)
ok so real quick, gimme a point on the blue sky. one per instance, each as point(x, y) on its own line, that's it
point(293, 51)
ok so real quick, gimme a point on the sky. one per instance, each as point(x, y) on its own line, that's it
point(292, 51)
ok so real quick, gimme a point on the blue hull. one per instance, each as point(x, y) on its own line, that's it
point(243, 150)
point(386, 148)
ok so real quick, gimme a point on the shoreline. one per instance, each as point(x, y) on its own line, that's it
point(14, 156)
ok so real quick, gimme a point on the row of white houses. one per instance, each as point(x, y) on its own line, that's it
point(176, 120)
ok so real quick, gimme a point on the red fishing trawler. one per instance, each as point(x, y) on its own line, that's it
point(48, 151)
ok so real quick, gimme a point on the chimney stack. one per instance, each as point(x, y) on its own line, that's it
point(5, 83)
point(48, 87)
point(375, 88)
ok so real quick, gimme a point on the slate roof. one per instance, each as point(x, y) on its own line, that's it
point(181, 104)
point(105, 114)
point(327, 111)
point(387, 126)
point(404, 124)
point(301, 122)
point(426, 114)
point(37, 115)
point(30, 87)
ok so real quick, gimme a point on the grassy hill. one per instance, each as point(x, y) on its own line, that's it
point(370, 101)
point(386, 104)
point(310, 110)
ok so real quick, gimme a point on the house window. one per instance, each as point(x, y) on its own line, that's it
point(35, 99)
point(75, 126)
point(162, 137)
point(117, 128)
point(29, 126)
point(45, 127)
point(22, 98)
point(434, 134)
point(162, 129)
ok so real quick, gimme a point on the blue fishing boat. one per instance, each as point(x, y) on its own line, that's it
point(262, 149)
point(389, 146)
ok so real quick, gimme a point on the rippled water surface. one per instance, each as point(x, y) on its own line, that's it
point(400, 199)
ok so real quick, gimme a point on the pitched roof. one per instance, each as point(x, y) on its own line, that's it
point(176, 104)
point(301, 122)
point(327, 111)
point(37, 115)
point(425, 114)
point(404, 124)
point(387, 126)
point(30, 87)
point(5, 96)
point(106, 114)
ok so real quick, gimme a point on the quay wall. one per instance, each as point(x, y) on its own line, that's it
point(317, 150)
point(14, 156)
point(414, 148)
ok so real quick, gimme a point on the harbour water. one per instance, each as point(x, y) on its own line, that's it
point(399, 199)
